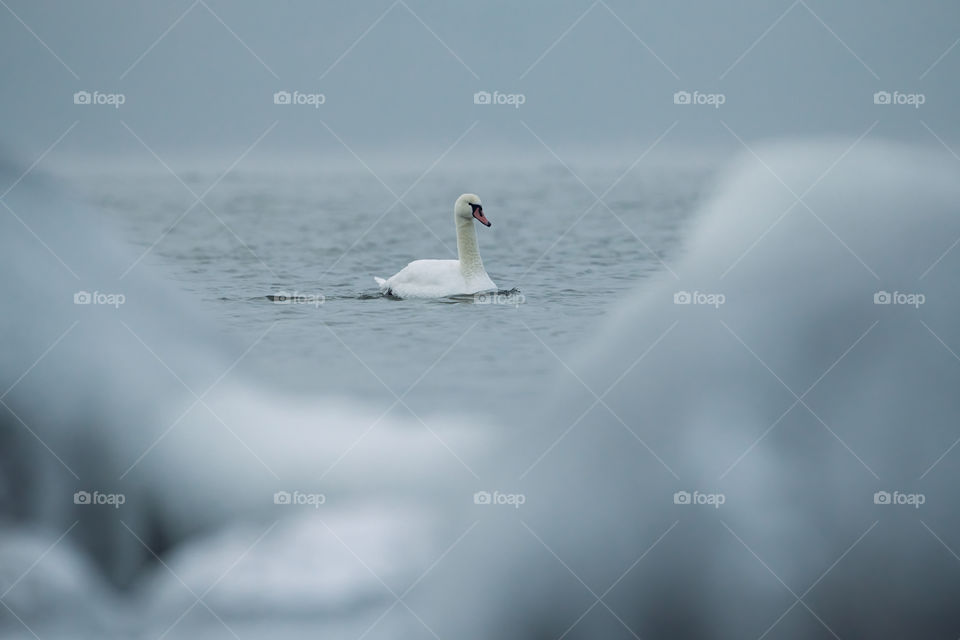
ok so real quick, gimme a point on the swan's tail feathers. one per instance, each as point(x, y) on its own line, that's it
point(381, 283)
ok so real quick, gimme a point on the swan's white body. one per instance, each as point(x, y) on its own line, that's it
point(442, 278)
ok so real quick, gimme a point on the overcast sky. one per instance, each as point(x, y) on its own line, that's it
point(398, 77)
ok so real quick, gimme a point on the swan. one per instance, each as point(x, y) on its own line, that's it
point(442, 278)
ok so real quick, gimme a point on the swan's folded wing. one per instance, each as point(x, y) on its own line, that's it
point(428, 279)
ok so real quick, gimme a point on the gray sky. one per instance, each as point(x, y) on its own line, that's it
point(596, 78)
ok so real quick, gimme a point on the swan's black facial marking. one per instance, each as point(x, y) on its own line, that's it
point(476, 206)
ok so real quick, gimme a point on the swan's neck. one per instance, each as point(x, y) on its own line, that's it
point(467, 249)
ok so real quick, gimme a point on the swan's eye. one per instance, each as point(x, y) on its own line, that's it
point(476, 206)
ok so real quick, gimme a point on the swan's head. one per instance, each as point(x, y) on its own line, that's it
point(468, 206)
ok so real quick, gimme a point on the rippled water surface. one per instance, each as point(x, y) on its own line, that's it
point(567, 257)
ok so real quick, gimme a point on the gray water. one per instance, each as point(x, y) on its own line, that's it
point(598, 501)
point(564, 257)
point(565, 265)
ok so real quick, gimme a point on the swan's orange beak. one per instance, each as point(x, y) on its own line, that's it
point(478, 214)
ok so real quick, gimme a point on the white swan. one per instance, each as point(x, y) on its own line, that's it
point(442, 278)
